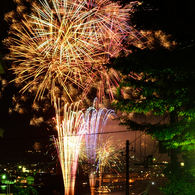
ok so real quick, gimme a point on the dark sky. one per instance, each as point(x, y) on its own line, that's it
point(5, 7)
point(5, 120)
point(19, 136)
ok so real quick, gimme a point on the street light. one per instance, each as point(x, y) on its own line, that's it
point(6, 182)
point(3, 176)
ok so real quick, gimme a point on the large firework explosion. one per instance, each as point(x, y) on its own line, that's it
point(64, 42)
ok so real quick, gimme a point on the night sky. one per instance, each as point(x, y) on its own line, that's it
point(5, 7)
point(19, 136)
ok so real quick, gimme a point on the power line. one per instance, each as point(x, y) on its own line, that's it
point(43, 137)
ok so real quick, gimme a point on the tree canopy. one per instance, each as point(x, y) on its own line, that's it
point(162, 81)
point(159, 80)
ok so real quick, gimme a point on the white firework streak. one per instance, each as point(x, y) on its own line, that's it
point(68, 142)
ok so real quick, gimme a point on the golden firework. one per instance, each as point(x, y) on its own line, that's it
point(66, 42)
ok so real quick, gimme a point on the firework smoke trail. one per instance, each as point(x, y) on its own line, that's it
point(95, 122)
point(66, 42)
point(70, 132)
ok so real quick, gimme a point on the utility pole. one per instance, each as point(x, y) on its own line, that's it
point(127, 167)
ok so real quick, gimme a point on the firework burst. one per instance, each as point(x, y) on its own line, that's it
point(76, 128)
point(95, 122)
point(106, 155)
point(66, 42)
point(106, 150)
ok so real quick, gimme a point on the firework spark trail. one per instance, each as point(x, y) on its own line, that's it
point(66, 41)
point(70, 132)
point(95, 122)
